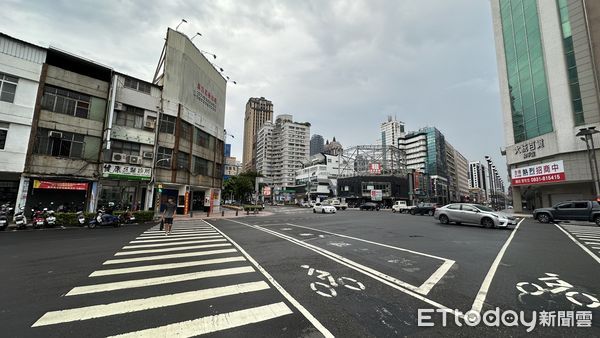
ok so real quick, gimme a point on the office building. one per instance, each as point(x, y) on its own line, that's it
point(391, 131)
point(258, 111)
point(316, 144)
point(548, 56)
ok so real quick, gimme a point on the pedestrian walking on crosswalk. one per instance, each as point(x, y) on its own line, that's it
point(167, 215)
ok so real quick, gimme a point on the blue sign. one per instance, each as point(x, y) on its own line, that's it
point(228, 150)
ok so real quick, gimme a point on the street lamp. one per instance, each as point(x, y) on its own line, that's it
point(588, 138)
point(195, 35)
point(158, 195)
point(182, 21)
point(491, 184)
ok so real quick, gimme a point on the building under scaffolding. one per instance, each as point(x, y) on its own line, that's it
point(365, 160)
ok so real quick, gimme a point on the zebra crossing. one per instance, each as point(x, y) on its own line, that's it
point(586, 235)
point(195, 267)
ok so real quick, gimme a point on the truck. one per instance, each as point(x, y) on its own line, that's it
point(587, 211)
point(336, 203)
point(402, 207)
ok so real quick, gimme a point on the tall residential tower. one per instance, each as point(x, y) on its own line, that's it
point(258, 111)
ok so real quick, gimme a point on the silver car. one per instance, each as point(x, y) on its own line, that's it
point(473, 214)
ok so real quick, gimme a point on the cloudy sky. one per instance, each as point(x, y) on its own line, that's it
point(343, 66)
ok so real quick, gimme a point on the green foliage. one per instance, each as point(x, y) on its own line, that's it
point(143, 216)
point(239, 186)
point(252, 207)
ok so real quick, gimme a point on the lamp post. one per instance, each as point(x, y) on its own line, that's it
point(159, 193)
point(587, 135)
point(491, 181)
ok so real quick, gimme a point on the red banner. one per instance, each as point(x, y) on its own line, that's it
point(59, 185)
point(558, 177)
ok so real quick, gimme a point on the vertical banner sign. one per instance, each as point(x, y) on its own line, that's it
point(186, 203)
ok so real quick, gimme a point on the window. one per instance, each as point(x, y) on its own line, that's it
point(167, 124)
point(183, 160)
point(66, 102)
point(218, 170)
point(186, 131)
point(3, 134)
point(202, 166)
point(128, 148)
point(468, 208)
point(454, 206)
point(137, 85)
point(61, 144)
point(130, 117)
point(564, 206)
point(580, 205)
point(203, 139)
point(8, 87)
point(163, 157)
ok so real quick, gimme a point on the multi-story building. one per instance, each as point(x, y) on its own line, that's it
point(319, 176)
point(333, 148)
point(458, 172)
point(258, 111)
point(282, 147)
point(316, 144)
point(232, 167)
point(548, 58)
point(20, 69)
point(477, 176)
point(391, 131)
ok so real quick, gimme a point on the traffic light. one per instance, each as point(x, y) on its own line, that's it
point(160, 188)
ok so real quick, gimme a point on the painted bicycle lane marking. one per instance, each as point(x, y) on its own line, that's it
point(332, 282)
point(553, 285)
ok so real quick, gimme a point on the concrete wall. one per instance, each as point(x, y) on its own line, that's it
point(16, 60)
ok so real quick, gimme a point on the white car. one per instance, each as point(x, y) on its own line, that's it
point(324, 208)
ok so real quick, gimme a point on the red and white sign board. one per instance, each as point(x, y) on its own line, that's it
point(539, 173)
point(375, 168)
point(266, 191)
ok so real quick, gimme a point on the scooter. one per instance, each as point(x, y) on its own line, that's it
point(20, 219)
point(127, 217)
point(81, 218)
point(39, 221)
point(3, 217)
point(102, 218)
point(50, 218)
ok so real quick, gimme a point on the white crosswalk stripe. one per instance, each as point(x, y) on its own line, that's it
point(180, 255)
point(215, 323)
point(167, 266)
point(174, 243)
point(188, 249)
point(589, 236)
point(104, 310)
point(177, 248)
point(169, 239)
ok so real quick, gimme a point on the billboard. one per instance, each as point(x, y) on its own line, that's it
point(190, 79)
point(539, 173)
point(376, 195)
point(375, 168)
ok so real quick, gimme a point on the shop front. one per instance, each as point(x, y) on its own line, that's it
point(124, 185)
point(60, 195)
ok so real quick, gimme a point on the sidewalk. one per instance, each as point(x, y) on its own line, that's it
point(224, 214)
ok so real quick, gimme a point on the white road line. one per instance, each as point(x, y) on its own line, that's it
point(483, 290)
point(314, 321)
point(136, 305)
point(214, 323)
point(179, 255)
point(169, 239)
point(168, 266)
point(178, 248)
point(383, 278)
point(177, 236)
point(584, 232)
point(138, 283)
point(589, 237)
point(173, 243)
point(427, 285)
point(176, 232)
point(588, 251)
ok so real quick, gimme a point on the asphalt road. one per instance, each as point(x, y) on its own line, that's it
point(299, 274)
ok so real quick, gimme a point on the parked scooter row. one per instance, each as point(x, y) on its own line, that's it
point(43, 218)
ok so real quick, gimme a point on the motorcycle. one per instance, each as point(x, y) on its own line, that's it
point(20, 219)
point(81, 218)
point(127, 217)
point(103, 218)
point(38, 221)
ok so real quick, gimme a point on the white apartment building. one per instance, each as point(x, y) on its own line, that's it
point(281, 148)
point(391, 130)
point(20, 70)
point(415, 148)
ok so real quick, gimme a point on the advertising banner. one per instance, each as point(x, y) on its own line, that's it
point(540, 173)
point(375, 168)
point(37, 184)
point(376, 195)
point(266, 191)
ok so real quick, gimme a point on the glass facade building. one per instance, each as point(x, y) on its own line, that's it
point(531, 115)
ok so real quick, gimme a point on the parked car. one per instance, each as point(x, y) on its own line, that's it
point(337, 203)
point(369, 206)
point(424, 209)
point(324, 208)
point(587, 211)
point(473, 214)
point(402, 207)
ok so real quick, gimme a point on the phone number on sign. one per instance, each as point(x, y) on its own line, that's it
point(539, 179)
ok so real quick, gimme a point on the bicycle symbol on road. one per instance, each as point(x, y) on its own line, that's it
point(330, 283)
point(554, 285)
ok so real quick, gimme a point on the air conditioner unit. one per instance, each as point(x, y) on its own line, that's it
point(150, 123)
point(148, 155)
point(54, 134)
point(119, 157)
point(119, 106)
point(135, 159)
